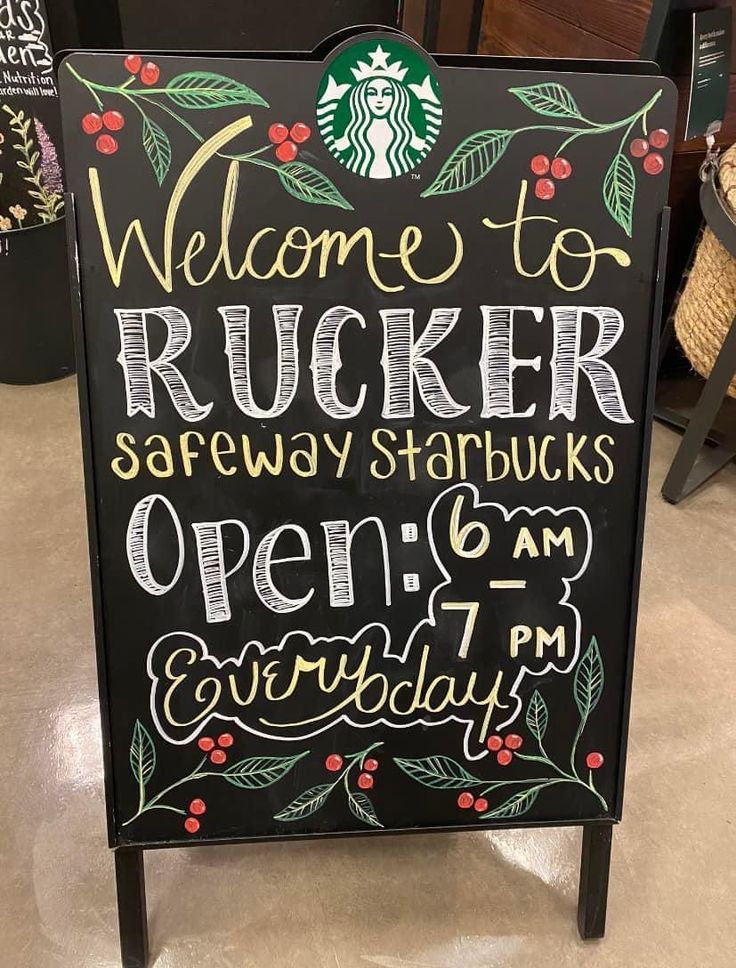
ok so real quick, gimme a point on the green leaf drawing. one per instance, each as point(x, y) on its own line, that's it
point(257, 772)
point(438, 772)
point(537, 716)
point(309, 185)
point(588, 684)
point(516, 804)
point(619, 187)
point(551, 100)
point(158, 148)
point(362, 808)
point(199, 90)
point(306, 803)
point(142, 754)
point(469, 162)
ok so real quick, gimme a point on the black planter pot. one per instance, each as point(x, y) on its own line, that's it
point(36, 343)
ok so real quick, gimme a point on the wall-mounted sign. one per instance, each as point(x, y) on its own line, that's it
point(31, 183)
point(710, 72)
point(367, 347)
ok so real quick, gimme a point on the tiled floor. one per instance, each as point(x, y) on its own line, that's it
point(442, 901)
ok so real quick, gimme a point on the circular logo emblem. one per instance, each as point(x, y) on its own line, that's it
point(378, 109)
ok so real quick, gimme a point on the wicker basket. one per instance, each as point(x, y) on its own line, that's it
point(707, 305)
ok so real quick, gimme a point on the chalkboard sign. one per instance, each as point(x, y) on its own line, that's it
point(31, 184)
point(35, 323)
point(365, 350)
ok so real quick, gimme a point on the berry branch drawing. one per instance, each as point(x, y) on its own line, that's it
point(354, 773)
point(359, 803)
point(145, 92)
point(444, 773)
point(251, 773)
point(476, 155)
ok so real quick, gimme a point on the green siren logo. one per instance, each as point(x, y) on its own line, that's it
point(378, 109)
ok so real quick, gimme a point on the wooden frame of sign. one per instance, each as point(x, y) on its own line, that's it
point(366, 343)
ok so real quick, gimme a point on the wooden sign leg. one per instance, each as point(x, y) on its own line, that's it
point(131, 885)
point(594, 867)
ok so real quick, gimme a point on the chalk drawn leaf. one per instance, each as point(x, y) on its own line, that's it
point(305, 804)
point(619, 188)
point(200, 90)
point(516, 804)
point(158, 148)
point(588, 683)
point(362, 808)
point(537, 716)
point(142, 754)
point(550, 100)
point(470, 162)
point(310, 185)
point(257, 772)
point(438, 772)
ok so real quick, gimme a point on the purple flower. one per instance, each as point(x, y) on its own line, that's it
point(50, 169)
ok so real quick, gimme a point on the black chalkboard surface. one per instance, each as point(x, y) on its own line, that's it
point(35, 323)
point(365, 352)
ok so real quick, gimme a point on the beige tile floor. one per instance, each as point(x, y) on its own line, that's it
point(443, 901)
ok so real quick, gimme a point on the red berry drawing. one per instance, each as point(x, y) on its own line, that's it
point(286, 151)
point(365, 781)
point(545, 189)
point(594, 761)
point(191, 825)
point(513, 742)
point(218, 757)
point(540, 164)
point(639, 147)
point(465, 800)
point(300, 132)
point(91, 123)
point(504, 757)
point(370, 764)
point(106, 144)
point(653, 163)
point(225, 740)
point(133, 63)
point(113, 120)
point(277, 133)
point(197, 807)
point(206, 743)
point(561, 168)
point(494, 743)
point(150, 73)
point(481, 805)
point(334, 762)
point(659, 138)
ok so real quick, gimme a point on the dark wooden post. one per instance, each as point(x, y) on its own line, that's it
point(595, 865)
point(131, 885)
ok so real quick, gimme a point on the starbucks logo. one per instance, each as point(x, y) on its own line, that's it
point(378, 109)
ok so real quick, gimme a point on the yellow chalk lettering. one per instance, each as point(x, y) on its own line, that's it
point(460, 536)
point(340, 452)
point(217, 450)
point(125, 442)
point(525, 543)
point(600, 476)
point(308, 457)
point(187, 454)
point(519, 635)
point(550, 539)
point(262, 462)
point(167, 461)
point(383, 431)
point(444, 437)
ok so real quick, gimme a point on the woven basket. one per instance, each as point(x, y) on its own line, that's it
point(707, 305)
